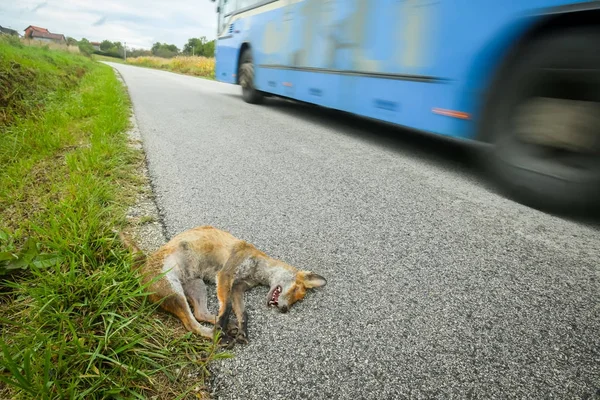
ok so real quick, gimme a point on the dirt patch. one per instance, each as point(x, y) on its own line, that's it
point(145, 226)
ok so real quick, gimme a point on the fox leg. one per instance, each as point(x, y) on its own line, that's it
point(225, 280)
point(195, 291)
point(224, 284)
point(237, 299)
point(175, 303)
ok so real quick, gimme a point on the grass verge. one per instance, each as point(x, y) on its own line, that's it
point(99, 57)
point(76, 324)
point(196, 66)
point(28, 75)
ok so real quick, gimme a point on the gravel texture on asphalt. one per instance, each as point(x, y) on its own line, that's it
point(438, 287)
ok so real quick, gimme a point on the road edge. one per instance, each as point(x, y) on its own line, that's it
point(146, 225)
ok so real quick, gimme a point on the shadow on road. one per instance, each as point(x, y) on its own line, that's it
point(461, 157)
point(446, 153)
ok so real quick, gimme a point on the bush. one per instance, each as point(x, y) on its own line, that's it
point(85, 47)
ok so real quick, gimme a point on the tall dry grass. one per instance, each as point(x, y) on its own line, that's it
point(190, 65)
point(50, 45)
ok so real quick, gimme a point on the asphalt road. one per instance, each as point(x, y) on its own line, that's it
point(438, 287)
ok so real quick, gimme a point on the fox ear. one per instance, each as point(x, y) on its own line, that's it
point(312, 280)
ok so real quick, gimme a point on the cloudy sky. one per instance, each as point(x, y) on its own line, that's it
point(137, 22)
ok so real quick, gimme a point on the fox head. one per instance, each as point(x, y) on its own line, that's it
point(290, 286)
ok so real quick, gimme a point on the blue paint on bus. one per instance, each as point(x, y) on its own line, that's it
point(394, 60)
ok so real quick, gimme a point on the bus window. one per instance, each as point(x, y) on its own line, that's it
point(227, 8)
point(247, 3)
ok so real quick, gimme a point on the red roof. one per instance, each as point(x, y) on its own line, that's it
point(37, 28)
point(48, 35)
point(37, 32)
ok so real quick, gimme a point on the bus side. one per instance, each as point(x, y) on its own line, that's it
point(417, 63)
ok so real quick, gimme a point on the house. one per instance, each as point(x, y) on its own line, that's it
point(43, 35)
point(8, 31)
point(95, 45)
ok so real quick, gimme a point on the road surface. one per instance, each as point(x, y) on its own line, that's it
point(438, 287)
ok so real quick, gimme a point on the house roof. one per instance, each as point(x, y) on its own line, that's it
point(48, 35)
point(37, 32)
point(8, 31)
point(37, 28)
point(95, 43)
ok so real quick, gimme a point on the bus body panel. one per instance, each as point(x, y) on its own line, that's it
point(399, 61)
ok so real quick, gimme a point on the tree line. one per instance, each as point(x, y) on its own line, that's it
point(194, 46)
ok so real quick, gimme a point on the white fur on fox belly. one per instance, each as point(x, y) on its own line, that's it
point(172, 270)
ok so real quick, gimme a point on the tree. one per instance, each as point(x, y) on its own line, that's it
point(138, 53)
point(164, 50)
point(106, 45)
point(199, 47)
point(71, 41)
point(209, 49)
point(193, 46)
point(85, 47)
point(111, 49)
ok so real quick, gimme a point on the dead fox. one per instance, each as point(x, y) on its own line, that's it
point(208, 253)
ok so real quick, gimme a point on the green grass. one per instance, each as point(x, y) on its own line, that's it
point(76, 323)
point(29, 74)
point(99, 57)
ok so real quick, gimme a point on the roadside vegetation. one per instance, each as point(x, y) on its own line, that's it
point(196, 58)
point(190, 65)
point(99, 57)
point(75, 321)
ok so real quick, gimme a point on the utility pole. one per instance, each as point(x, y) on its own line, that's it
point(192, 50)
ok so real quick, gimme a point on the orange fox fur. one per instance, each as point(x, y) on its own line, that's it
point(209, 254)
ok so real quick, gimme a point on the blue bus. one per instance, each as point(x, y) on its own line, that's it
point(522, 77)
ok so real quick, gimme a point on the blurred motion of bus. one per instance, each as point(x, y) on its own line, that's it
point(522, 77)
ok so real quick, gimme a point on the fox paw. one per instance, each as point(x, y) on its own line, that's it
point(227, 341)
point(232, 330)
point(241, 338)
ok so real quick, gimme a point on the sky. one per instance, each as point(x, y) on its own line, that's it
point(139, 23)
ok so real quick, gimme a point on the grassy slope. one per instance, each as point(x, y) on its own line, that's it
point(25, 82)
point(79, 327)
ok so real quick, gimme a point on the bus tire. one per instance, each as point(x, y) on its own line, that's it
point(548, 157)
point(246, 79)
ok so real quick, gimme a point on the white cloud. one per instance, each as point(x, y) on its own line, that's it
point(137, 22)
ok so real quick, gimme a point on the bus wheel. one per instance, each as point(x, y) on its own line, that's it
point(544, 124)
point(246, 77)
